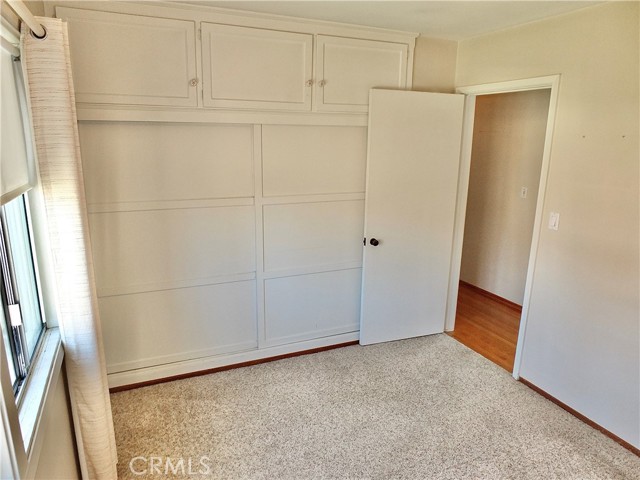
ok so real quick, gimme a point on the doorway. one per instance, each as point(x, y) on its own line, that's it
point(499, 218)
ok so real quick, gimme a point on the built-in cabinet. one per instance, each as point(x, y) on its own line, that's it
point(131, 59)
point(256, 68)
point(347, 68)
point(238, 67)
point(224, 161)
point(267, 69)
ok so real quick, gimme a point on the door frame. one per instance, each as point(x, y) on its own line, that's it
point(551, 82)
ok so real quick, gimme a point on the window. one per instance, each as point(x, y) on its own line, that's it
point(22, 317)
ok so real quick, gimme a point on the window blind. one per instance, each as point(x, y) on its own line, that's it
point(17, 166)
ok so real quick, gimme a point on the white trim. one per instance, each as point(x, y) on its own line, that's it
point(229, 16)
point(10, 33)
point(551, 82)
point(535, 83)
point(311, 270)
point(23, 426)
point(410, 58)
point(42, 375)
point(112, 207)
point(159, 360)
point(259, 214)
point(133, 289)
point(41, 389)
point(314, 334)
point(15, 453)
point(313, 198)
point(190, 366)
point(112, 113)
point(11, 48)
point(538, 222)
point(460, 211)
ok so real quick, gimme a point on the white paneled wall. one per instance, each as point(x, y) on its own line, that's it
point(151, 162)
point(317, 234)
point(159, 327)
point(313, 222)
point(213, 239)
point(173, 230)
point(224, 160)
point(307, 306)
point(150, 250)
point(299, 160)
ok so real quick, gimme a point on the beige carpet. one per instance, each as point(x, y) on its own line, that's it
point(425, 408)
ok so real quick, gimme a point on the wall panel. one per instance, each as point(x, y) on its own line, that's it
point(181, 324)
point(310, 306)
point(313, 234)
point(141, 162)
point(306, 160)
point(141, 251)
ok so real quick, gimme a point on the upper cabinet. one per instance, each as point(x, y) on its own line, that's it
point(266, 69)
point(131, 59)
point(256, 68)
point(347, 68)
point(146, 55)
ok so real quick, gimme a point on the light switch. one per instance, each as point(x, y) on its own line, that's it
point(523, 192)
point(554, 221)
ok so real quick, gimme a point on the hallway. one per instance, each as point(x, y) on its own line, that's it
point(487, 324)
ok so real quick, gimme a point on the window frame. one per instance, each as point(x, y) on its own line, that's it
point(20, 355)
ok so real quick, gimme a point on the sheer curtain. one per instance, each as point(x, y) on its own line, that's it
point(47, 68)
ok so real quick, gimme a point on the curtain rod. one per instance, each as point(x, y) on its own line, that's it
point(27, 17)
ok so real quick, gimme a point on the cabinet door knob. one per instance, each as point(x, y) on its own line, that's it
point(322, 83)
point(193, 82)
point(374, 242)
point(309, 83)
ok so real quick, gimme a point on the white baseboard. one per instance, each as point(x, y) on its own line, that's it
point(147, 374)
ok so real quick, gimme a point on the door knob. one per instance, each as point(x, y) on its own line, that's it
point(374, 242)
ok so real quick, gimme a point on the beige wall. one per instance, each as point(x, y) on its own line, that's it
point(57, 457)
point(434, 65)
point(581, 342)
point(508, 144)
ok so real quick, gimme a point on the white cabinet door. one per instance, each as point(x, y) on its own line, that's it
point(412, 181)
point(254, 68)
point(347, 68)
point(129, 59)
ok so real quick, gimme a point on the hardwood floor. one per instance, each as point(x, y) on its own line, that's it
point(487, 324)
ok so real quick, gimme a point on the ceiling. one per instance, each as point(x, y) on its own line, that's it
point(452, 20)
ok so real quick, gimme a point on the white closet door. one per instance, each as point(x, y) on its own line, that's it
point(254, 68)
point(412, 178)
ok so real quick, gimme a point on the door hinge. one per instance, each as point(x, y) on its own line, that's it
point(364, 242)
